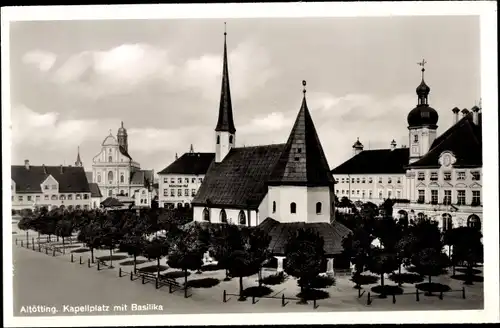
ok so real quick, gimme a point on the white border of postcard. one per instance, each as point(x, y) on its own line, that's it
point(489, 87)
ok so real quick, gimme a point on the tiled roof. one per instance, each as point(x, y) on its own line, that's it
point(239, 181)
point(377, 161)
point(190, 163)
point(463, 139)
point(142, 177)
point(94, 190)
point(70, 178)
point(89, 176)
point(111, 202)
point(280, 233)
point(303, 161)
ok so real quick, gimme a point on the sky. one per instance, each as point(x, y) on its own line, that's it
point(74, 81)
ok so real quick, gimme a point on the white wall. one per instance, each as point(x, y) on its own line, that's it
point(348, 186)
point(232, 215)
point(224, 146)
point(264, 210)
point(165, 183)
point(315, 195)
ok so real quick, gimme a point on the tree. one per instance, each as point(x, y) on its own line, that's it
point(468, 248)
point(388, 231)
point(64, 228)
point(357, 247)
point(90, 236)
point(110, 233)
point(133, 241)
point(430, 262)
point(187, 250)
point(25, 224)
point(258, 246)
point(304, 254)
point(156, 249)
point(225, 240)
point(382, 262)
point(403, 252)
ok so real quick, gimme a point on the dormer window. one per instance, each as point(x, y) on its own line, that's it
point(461, 175)
point(447, 176)
point(421, 176)
point(434, 176)
point(476, 176)
point(46, 187)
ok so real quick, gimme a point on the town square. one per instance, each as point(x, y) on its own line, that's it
point(248, 166)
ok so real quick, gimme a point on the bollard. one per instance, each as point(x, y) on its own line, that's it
point(46, 250)
point(120, 272)
point(441, 295)
point(22, 244)
point(98, 265)
point(359, 292)
point(39, 248)
point(16, 241)
point(54, 252)
point(393, 298)
point(282, 299)
point(143, 279)
point(33, 241)
point(72, 258)
point(80, 259)
point(185, 292)
point(418, 299)
point(314, 304)
point(88, 263)
point(170, 289)
point(369, 301)
point(27, 244)
point(156, 283)
point(33, 244)
point(463, 292)
point(224, 296)
point(253, 299)
point(131, 276)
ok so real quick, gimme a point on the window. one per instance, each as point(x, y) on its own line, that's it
point(206, 215)
point(78, 197)
point(179, 192)
point(399, 194)
point(363, 180)
point(142, 201)
point(293, 207)
point(110, 193)
point(193, 192)
point(46, 187)
point(352, 180)
point(70, 197)
point(434, 196)
point(179, 180)
point(230, 139)
point(399, 180)
point(186, 180)
point(54, 197)
point(99, 178)
point(421, 196)
point(218, 139)
point(46, 197)
point(85, 196)
point(352, 192)
point(77, 207)
point(357, 192)
point(343, 191)
point(389, 194)
point(110, 159)
point(357, 180)
point(461, 175)
point(54, 187)
point(363, 194)
point(460, 197)
point(200, 180)
point(421, 176)
point(122, 179)
point(337, 191)
point(380, 196)
point(165, 192)
point(110, 177)
point(415, 138)
point(476, 198)
point(274, 207)
point(172, 192)
point(473, 221)
point(447, 176)
point(165, 180)
point(318, 208)
point(389, 180)
point(434, 176)
point(476, 176)
point(447, 222)
point(61, 197)
point(37, 197)
point(186, 192)
point(193, 180)
point(223, 216)
point(29, 198)
point(172, 180)
point(379, 180)
point(370, 180)
point(343, 180)
point(447, 197)
point(242, 219)
point(370, 193)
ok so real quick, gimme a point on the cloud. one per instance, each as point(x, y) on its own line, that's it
point(121, 69)
point(272, 122)
point(43, 60)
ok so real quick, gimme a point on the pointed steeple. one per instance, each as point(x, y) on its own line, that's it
point(78, 160)
point(191, 149)
point(225, 121)
point(303, 162)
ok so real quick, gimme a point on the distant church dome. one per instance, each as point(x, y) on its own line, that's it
point(423, 114)
point(122, 131)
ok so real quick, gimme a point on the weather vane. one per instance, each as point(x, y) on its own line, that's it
point(304, 84)
point(422, 63)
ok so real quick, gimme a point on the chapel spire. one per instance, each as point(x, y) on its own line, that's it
point(78, 162)
point(225, 120)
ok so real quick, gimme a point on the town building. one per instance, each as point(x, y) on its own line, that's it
point(95, 195)
point(114, 170)
point(49, 186)
point(437, 176)
point(179, 182)
point(279, 187)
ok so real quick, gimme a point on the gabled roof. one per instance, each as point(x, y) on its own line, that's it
point(332, 234)
point(377, 161)
point(94, 190)
point(111, 202)
point(141, 177)
point(190, 163)
point(303, 161)
point(70, 178)
point(225, 121)
point(240, 180)
point(463, 139)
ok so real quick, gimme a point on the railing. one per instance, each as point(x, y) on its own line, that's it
point(255, 299)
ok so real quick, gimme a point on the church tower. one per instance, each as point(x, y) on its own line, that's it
point(225, 132)
point(422, 122)
point(78, 162)
point(123, 137)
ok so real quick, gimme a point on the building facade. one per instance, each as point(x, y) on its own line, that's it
point(114, 170)
point(179, 182)
point(49, 186)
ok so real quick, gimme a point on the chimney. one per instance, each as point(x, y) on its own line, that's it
point(27, 164)
point(465, 112)
point(393, 144)
point(455, 114)
point(44, 169)
point(62, 171)
point(475, 115)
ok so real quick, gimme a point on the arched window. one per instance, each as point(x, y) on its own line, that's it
point(230, 139)
point(110, 193)
point(122, 178)
point(110, 176)
point(473, 221)
point(206, 215)
point(447, 222)
point(293, 208)
point(274, 207)
point(186, 205)
point(318, 208)
point(98, 178)
point(78, 207)
point(54, 197)
point(242, 218)
point(218, 139)
point(110, 159)
point(223, 216)
point(179, 205)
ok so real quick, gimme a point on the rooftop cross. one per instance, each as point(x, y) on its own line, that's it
point(422, 64)
point(304, 84)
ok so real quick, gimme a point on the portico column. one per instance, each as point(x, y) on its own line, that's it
point(280, 263)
